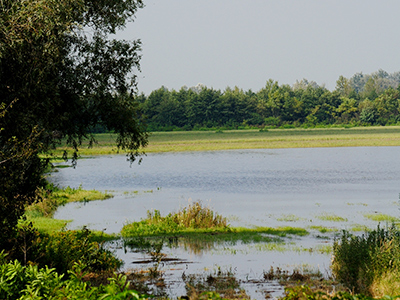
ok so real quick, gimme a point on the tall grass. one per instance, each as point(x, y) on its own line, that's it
point(368, 263)
point(193, 217)
point(198, 216)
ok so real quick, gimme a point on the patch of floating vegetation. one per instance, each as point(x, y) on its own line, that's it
point(289, 218)
point(360, 203)
point(331, 217)
point(321, 249)
point(378, 217)
point(358, 228)
point(322, 229)
point(197, 229)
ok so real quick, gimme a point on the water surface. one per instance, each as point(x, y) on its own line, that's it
point(278, 187)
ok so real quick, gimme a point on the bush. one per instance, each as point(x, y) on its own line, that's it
point(62, 250)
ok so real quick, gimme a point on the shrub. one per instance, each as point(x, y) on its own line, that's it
point(61, 250)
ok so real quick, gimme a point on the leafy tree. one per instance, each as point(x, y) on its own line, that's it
point(60, 75)
point(347, 110)
point(343, 86)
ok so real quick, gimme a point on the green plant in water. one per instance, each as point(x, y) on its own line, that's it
point(217, 285)
point(381, 218)
point(331, 217)
point(323, 229)
point(193, 217)
point(289, 218)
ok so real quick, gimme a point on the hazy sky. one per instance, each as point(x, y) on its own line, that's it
point(243, 43)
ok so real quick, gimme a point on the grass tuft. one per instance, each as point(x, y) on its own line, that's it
point(192, 218)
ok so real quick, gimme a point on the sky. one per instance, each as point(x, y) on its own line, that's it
point(244, 43)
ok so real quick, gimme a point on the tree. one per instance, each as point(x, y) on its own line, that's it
point(343, 86)
point(60, 75)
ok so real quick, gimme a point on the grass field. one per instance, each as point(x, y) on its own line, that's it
point(255, 139)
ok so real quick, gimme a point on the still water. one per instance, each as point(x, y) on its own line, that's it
point(252, 186)
point(267, 187)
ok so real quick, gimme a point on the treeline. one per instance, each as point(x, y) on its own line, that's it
point(363, 99)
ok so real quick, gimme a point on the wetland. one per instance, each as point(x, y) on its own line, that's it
point(319, 190)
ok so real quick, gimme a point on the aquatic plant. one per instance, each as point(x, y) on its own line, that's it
point(191, 218)
point(331, 217)
point(378, 217)
point(289, 218)
point(216, 285)
point(323, 229)
point(198, 216)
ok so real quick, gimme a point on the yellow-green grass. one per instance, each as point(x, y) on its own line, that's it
point(41, 213)
point(289, 218)
point(322, 229)
point(178, 141)
point(381, 218)
point(331, 217)
point(47, 225)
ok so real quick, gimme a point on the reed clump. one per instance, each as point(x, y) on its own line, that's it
point(369, 264)
point(188, 219)
point(198, 216)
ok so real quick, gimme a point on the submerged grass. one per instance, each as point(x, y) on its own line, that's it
point(381, 218)
point(331, 217)
point(322, 229)
point(289, 218)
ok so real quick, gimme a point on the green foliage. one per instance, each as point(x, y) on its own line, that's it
point(362, 99)
point(57, 82)
point(61, 250)
point(358, 261)
point(32, 282)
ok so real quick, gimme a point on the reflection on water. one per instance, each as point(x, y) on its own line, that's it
point(278, 187)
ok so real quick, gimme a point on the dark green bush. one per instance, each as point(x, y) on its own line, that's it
point(61, 250)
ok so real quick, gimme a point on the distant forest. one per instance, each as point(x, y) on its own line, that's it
point(360, 100)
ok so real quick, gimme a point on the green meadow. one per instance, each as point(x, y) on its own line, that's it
point(177, 141)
